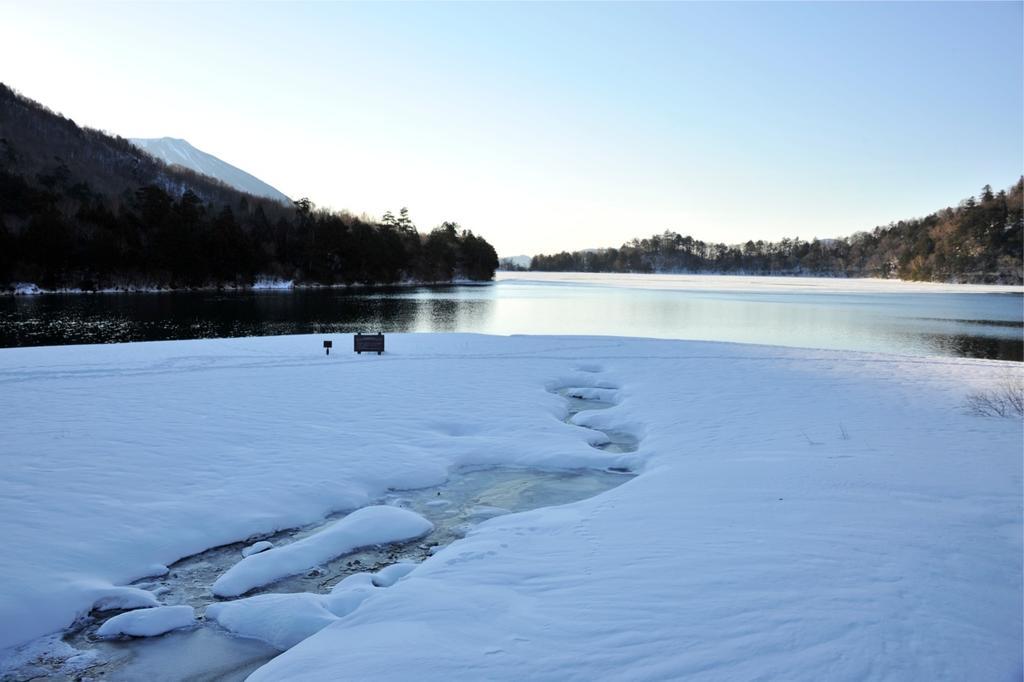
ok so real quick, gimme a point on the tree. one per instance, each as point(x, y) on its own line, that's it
point(404, 223)
point(78, 206)
point(478, 259)
point(304, 207)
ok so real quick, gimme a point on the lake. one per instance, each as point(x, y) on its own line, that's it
point(869, 315)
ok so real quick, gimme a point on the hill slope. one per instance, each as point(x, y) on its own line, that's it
point(979, 241)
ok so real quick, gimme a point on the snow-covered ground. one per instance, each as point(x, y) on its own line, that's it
point(798, 514)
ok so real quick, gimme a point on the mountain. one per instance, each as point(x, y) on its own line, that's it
point(177, 152)
point(47, 150)
point(516, 262)
point(82, 209)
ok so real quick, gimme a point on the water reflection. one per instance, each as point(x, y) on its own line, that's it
point(978, 347)
point(972, 325)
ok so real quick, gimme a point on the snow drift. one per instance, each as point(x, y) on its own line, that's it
point(376, 525)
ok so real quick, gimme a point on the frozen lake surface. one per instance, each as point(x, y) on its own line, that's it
point(867, 315)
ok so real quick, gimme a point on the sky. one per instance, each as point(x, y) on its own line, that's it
point(559, 126)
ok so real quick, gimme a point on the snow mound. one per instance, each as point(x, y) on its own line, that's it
point(386, 577)
point(148, 622)
point(112, 598)
point(368, 526)
point(26, 289)
point(257, 547)
point(280, 620)
point(284, 620)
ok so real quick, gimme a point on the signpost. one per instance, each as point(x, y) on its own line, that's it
point(327, 346)
point(371, 343)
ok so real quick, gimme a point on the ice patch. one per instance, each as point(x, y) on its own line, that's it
point(42, 657)
point(608, 395)
point(484, 511)
point(368, 526)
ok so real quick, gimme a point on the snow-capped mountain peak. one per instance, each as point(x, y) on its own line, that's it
point(175, 151)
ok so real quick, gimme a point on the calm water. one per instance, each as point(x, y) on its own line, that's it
point(806, 313)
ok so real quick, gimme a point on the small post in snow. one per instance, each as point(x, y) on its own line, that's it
point(327, 346)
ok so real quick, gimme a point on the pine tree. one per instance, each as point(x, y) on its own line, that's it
point(404, 223)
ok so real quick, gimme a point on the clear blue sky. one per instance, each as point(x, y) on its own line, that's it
point(560, 126)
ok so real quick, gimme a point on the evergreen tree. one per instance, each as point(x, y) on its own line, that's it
point(404, 223)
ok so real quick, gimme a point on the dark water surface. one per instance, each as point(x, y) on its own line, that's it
point(943, 322)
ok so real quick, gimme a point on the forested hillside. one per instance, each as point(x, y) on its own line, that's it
point(82, 209)
point(978, 241)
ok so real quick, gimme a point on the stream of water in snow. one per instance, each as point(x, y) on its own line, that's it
point(209, 653)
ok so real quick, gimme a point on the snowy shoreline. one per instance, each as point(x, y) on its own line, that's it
point(755, 283)
point(29, 289)
point(790, 504)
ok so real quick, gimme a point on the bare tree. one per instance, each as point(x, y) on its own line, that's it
point(1005, 400)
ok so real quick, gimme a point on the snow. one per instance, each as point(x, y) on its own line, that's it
point(387, 577)
point(284, 620)
point(755, 283)
point(280, 620)
point(175, 151)
point(257, 547)
point(148, 622)
point(272, 283)
point(110, 598)
point(26, 289)
point(376, 525)
point(797, 514)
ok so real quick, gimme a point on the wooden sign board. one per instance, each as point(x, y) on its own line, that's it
point(370, 343)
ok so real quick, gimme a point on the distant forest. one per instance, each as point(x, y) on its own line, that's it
point(80, 209)
point(979, 241)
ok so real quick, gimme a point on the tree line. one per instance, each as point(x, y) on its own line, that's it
point(81, 209)
point(981, 240)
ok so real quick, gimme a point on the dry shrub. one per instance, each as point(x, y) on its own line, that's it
point(1005, 400)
